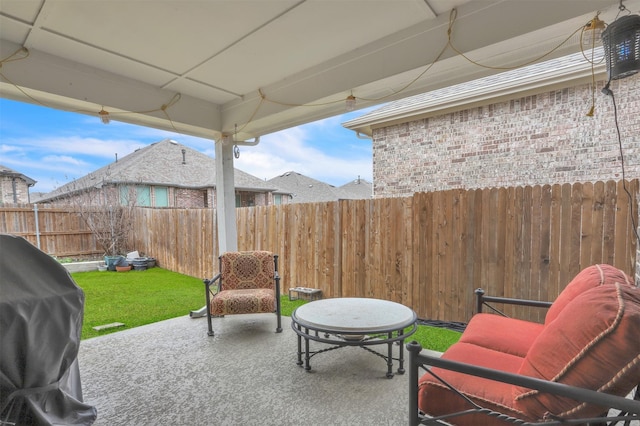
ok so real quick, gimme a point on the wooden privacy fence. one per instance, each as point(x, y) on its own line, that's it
point(58, 231)
point(429, 251)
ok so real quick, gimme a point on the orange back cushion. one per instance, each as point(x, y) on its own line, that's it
point(594, 343)
point(588, 278)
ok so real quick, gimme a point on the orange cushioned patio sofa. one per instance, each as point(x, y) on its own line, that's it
point(504, 370)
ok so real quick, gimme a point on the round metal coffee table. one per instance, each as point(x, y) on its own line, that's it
point(354, 321)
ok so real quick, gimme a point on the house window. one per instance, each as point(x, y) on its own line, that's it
point(277, 199)
point(136, 195)
point(245, 199)
point(143, 196)
point(125, 195)
point(161, 194)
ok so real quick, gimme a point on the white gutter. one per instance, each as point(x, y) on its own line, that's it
point(554, 73)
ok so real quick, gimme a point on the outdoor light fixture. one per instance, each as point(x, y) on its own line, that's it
point(104, 116)
point(592, 32)
point(621, 41)
point(350, 103)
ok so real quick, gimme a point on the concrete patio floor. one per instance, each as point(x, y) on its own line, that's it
point(172, 373)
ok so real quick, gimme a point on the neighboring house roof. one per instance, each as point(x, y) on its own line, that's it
point(304, 189)
point(37, 196)
point(164, 163)
point(6, 171)
point(357, 189)
point(481, 91)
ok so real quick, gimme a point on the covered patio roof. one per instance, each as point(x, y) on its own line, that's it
point(236, 70)
point(251, 68)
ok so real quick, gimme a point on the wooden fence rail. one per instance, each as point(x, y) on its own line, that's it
point(429, 251)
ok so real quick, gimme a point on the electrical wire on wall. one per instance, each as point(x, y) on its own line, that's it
point(607, 91)
point(621, 42)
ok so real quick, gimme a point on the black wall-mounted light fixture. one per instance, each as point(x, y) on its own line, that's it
point(621, 41)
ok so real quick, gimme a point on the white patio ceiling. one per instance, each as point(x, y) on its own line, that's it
point(259, 66)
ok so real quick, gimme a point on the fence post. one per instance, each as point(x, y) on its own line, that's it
point(35, 211)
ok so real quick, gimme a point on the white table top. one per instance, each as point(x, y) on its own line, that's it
point(354, 314)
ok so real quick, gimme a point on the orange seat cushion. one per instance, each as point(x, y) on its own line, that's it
point(508, 335)
point(594, 343)
point(435, 399)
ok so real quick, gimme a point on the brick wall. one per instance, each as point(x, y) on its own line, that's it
point(543, 138)
point(190, 198)
point(13, 190)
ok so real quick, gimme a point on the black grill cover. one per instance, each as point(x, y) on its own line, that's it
point(41, 310)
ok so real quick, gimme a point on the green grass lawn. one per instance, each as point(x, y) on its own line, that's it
point(137, 298)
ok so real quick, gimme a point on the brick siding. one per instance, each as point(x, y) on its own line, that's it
point(190, 198)
point(544, 138)
point(13, 190)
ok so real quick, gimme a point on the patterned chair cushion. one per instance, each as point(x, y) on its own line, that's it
point(243, 270)
point(247, 285)
point(243, 301)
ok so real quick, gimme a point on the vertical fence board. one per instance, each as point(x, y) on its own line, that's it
point(476, 220)
point(545, 242)
point(458, 259)
point(536, 258)
point(554, 246)
point(510, 228)
point(587, 232)
point(597, 221)
point(622, 245)
point(433, 277)
point(609, 223)
point(576, 229)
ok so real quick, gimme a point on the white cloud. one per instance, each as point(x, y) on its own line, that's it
point(77, 145)
point(10, 149)
point(289, 150)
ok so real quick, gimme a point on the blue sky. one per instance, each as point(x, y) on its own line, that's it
point(54, 147)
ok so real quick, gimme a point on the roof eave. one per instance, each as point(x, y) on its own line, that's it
point(575, 74)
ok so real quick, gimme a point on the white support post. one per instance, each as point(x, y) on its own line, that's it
point(225, 201)
point(225, 197)
point(225, 205)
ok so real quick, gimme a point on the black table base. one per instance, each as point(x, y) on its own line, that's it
point(342, 340)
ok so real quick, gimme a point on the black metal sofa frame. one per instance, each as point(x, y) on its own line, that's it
point(620, 409)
